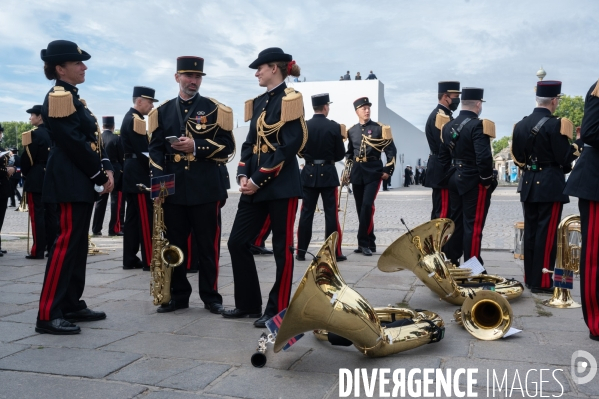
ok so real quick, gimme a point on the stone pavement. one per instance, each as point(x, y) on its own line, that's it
point(137, 353)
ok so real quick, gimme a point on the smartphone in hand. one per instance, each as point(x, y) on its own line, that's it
point(172, 139)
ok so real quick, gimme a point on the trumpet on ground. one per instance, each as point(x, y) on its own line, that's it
point(323, 301)
point(419, 250)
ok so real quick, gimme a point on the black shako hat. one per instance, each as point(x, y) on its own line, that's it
point(549, 88)
point(320, 99)
point(272, 54)
point(190, 64)
point(108, 120)
point(472, 93)
point(449, 87)
point(60, 51)
point(36, 109)
point(144, 92)
point(362, 101)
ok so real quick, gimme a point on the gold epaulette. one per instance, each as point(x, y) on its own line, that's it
point(153, 118)
point(249, 109)
point(567, 128)
point(139, 125)
point(60, 103)
point(386, 131)
point(292, 107)
point(441, 120)
point(224, 116)
point(596, 90)
point(26, 137)
point(489, 128)
point(343, 131)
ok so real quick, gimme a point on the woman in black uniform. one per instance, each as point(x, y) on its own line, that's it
point(77, 171)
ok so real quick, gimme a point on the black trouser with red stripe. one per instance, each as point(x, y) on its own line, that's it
point(43, 224)
point(64, 280)
point(138, 224)
point(331, 216)
point(364, 195)
point(540, 238)
point(117, 212)
point(260, 240)
point(589, 263)
point(100, 212)
point(247, 224)
point(203, 221)
point(441, 206)
point(469, 213)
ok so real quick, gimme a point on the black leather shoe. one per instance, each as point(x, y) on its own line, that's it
point(358, 251)
point(56, 327)
point(256, 250)
point(341, 258)
point(214, 307)
point(238, 313)
point(97, 234)
point(84, 315)
point(261, 322)
point(172, 306)
point(3, 251)
point(137, 265)
point(34, 257)
point(594, 337)
point(300, 257)
point(366, 252)
point(372, 249)
point(538, 290)
point(119, 234)
point(146, 268)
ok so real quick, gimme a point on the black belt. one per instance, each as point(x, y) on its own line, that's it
point(321, 162)
point(470, 162)
point(366, 159)
point(545, 165)
point(129, 156)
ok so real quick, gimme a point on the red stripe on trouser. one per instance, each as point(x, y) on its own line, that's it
point(478, 221)
point(444, 202)
point(189, 251)
point(285, 286)
point(117, 222)
point(31, 206)
point(216, 246)
point(371, 226)
point(545, 279)
point(60, 249)
point(590, 283)
point(263, 232)
point(298, 230)
point(339, 232)
point(145, 227)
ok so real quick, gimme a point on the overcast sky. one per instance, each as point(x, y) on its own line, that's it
point(410, 45)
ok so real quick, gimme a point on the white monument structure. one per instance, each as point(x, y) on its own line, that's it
point(410, 141)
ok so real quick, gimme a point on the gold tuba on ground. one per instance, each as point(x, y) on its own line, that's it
point(419, 250)
point(323, 301)
point(485, 314)
point(164, 255)
point(569, 243)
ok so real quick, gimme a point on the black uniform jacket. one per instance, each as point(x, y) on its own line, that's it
point(74, 164)
point(325, 143)
point(116, 154)
point(276, 171)
point(584, 179)
point(434, 169)
point(367, 165)
point(198, 179)
point(471, 158)
point(135, 143)
point(34, 158)
point(554, 156)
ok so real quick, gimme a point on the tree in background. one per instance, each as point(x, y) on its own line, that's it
point(500, 144)
point(13, 132)
point(571, 107)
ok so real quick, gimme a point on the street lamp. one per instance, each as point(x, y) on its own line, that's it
point(541, 73)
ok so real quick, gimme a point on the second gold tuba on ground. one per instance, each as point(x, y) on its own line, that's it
point(323, 301)
point(419, 250)
point(164, 256)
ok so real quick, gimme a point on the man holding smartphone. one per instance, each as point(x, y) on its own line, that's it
point(192, 138)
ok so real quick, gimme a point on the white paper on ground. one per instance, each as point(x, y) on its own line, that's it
point(511, 331)
point(474, 265)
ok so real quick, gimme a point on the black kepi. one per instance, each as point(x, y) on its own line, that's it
point(472, 93)
point(272, 54)
point(320, 99)
point(144, 92)
point(449, 87)
point(549, 88)
point(190, 64)
point(60, 51)
point(108, 120)
point(362, 101)
point(36, 109)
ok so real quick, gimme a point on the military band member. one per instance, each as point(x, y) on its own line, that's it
point(366, 141)
point(36, 147)
point(319, 175)
point(449, 100)
point(583, 183)
point(138, 219)
point(541, 148)
point(269, 177)
point(114, 152)
point(74, 167)
point(466, 154)
point(201, 128)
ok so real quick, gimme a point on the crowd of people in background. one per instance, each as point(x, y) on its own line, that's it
point(347, 76)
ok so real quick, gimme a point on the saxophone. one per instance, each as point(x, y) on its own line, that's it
point(164, 256)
